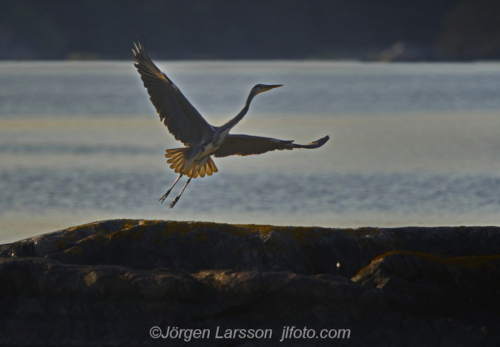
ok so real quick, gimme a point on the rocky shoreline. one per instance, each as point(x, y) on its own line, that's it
point(111, 282)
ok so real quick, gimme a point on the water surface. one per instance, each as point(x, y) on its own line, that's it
point(411, 144)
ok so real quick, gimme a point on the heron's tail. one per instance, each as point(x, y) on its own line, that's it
point(191, 168)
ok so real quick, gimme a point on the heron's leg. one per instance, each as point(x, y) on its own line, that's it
point(162, 199)
point(172, 204)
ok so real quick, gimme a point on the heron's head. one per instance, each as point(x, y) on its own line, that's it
point(261, 88)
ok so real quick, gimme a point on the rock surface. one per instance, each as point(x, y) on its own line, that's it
point(108, 283)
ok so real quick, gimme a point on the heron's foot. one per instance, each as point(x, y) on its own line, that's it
point(162, 199)
point(172, 204)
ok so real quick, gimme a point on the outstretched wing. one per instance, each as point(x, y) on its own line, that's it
point(248, 145)
point(176, 112)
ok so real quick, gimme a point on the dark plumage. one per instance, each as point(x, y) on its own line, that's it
point(201, 139)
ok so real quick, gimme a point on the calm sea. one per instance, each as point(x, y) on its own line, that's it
point(411, 144)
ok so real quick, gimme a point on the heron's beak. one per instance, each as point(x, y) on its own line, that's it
point(271, 86)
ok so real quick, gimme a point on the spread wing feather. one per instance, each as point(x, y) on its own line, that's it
point(248, 145)
point(176, 112)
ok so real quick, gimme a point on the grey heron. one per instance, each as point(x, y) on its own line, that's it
point(201, 139)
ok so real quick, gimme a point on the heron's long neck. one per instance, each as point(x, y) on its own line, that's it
point(240, 115)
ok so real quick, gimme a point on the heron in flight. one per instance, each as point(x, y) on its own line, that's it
point(201, 139)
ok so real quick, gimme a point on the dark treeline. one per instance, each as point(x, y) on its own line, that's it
point(256, 29)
